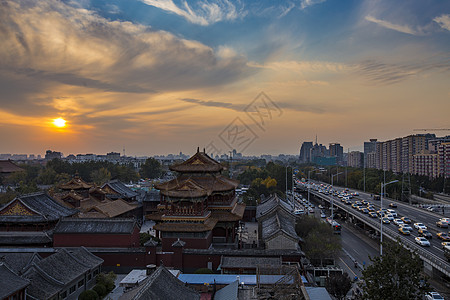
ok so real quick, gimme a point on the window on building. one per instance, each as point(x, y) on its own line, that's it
point(89, 276)
point(72, 289)
point(80, 283)
point(64, 295)
point(95, 272)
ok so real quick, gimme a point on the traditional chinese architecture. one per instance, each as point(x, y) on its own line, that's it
point(7, 167)
point(197, 206)
point(96, 202)
point(32, 212)
point(276, 224)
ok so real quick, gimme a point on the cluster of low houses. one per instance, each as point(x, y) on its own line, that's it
point(52, 246)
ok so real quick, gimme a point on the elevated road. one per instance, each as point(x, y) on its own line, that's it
point(433, 256)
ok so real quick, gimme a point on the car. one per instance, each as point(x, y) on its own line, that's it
point(406, 220)
point(422, 241)
point(320, 206)
point(420, 226)
point(398, 222)
point(433, 296)
point(392, 212)
point(322, 215)
point(425, 233)
point(299, 211)
point(372, 214)
point(348, 202)
point(354, 205)
point(404, 231)
point(393, 205)
point(443, 236)
point(445, 244)
point(390, 217)
point(385, 220)
point(406, 226)
point(442, 223)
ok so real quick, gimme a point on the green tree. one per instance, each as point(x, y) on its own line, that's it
point(47, 176)
point(320, 243)
point(106, 280)
point(100, 176)
point(88, 295)
point(151, 169)
point(338, 285)
point(395, 275)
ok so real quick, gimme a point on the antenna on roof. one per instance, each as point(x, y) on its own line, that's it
point(123, 150)
point(198, 149)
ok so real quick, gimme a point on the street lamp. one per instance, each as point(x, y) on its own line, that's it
point(332, 195)
point(383, 185)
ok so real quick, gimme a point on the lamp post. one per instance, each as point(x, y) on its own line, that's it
point(383, 185)
point(332, 195)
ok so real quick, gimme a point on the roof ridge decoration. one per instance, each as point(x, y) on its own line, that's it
point(199, 162)
point(44, 274)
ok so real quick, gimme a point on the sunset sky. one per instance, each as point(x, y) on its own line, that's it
point(164, 76)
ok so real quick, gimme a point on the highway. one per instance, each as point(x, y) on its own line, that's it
point(433, 255)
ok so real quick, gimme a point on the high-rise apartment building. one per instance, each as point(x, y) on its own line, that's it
point(413, 144)
point(355, 159)
point(444, 159)
point(426, 164)
point(338, 151)
point(305, 152)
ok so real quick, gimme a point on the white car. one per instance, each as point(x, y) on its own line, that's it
point(422, 241)
point(398, 222)
point(299, 211)
point(390, 217)
point(322, 215)
point(392, 212)
point(433, 296)
point(420, 226)
point(406, 226)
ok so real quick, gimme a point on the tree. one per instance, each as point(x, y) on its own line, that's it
point(106, 280)
point(395, 275)
point(151, 169)
point(100, 176)
point(320, 241)
point(88, 295)
point(338, 285)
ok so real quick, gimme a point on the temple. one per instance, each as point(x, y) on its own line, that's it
point(199, 206)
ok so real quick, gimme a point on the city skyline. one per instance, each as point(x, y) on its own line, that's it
point(165, 76)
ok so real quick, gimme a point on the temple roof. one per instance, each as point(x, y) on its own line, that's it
point(187, 227)
point(115, 208)
point(37, 207)
point(50, 274)
point(7, 166)
point(8, 238)
point(199, 162)
point(161, 285)
point(236, 213)
point(279, 222)
point(19, 262)
point(93, 226)
point(121, 189)
point(271, 204)
point(11, 282)
point(76, 183)
point(186, 186)
point(248, 262)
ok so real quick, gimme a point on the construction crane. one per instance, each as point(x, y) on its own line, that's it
point(434, 129)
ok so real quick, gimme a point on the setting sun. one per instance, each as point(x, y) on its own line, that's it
point(60, 122)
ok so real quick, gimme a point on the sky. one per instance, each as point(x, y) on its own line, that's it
point(168, 76)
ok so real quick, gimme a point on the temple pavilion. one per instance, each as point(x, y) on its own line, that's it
point(199, 206)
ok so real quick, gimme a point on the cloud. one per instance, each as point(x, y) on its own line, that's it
point(386, 73)
point(400, 28)
point(306, 3)
point(304, 66)
point(49, 45)
point(219, 104)
point(443, 21)
point(203, 13)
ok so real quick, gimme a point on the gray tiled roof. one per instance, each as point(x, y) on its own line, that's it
point(121, 189)
point(52, 273)
point(10, 282)
point(248, 262)
point(161, 285)
point(19, 262)
point(279, 221)
point(102, 225)
point(152, 196)
point(270, 204)
point(8, 238)
point(228, 292)
point(245, 252)
point(43, 205)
